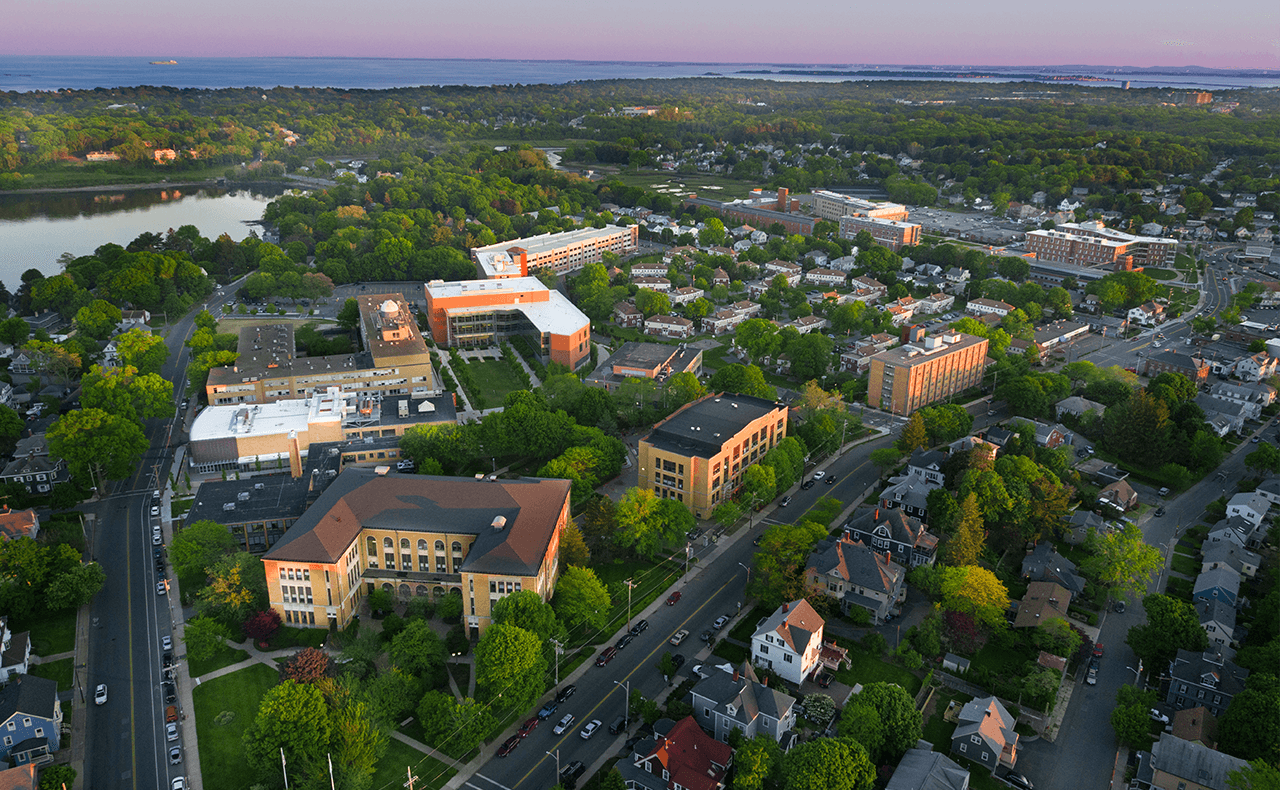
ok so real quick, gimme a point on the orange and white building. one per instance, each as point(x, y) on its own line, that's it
point(1094, 244)
point(833, 205)
point(894, 234)
point(905, 378)
point(466, 313)
point(560, 252)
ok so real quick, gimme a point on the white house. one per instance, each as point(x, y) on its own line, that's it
point(1148, 314)
point(659, 284)
point(668, 326)
point(988, 307)
point(935, 303)
point(789, 642)
point(1255, 397)
point(825, 276)
point(1256, 367)
point(809, 323)
point(650, 269)
point(1252, 507)
point(684, 295)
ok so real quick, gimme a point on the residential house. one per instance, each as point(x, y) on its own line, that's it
point(684, 295)
point(898, 314)
point(24, 362)
point(825, 276)
point(668, 326)
point(984, 733)
point(1218, 619)
point(650, 269)
point(22, 777)
point(874, 288)
point(935, 303)
point(746, 308)
point(1119, 496)
point(894, 531)
point(1045, 564)
point(1269, 490)
point(30, 721)
point(659, 284)
point(856, 576)
point(957, 276)
point(1233, 531)
point(669, 256)
point(922, 768)
point(1079, 524)
point(1224, 416)
point(988, 307)
point(1254, 396)
point(1042, 602)
point(15, 657)
point(723, 702)
point(1225, 554)
point(18, 523)
point(1147, 314)
point(1196, 725)
point(1078, 407)
point(758, 288)
point(775, 267)
point(1051, 436)
point(110, 355)
point(1207, 679)
point(1218, 584)
point(1050, 661)
point(845, 263)
point(1251, 506)
point(626, 315)
point(1175, 764)
point(1256, 367)
point(809, 323)
point(928, 271)
point(679, 756)
point(722, 321)
point(133, 319)
point(720, 277)
point(1194, 368)
point(37, 473)
point(816, 258)
point(789, 641)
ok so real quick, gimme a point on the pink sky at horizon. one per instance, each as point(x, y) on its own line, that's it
point(1137, 33)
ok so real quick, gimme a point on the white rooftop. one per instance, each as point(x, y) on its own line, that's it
point(557, 315)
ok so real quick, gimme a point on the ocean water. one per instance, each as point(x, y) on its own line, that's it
point(48, 73)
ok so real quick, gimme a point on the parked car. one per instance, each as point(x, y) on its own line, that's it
point(1097, 649)
point(166, 643)
point(1158, 716)
point(162, 588)
point(819, 475)
point(100, 694)
point(678, 636)
point(823, 679)
point(623, 641)
point(720, 622)
point(1159, 512)
point(508, 746)
point(155, 510)
point(639, 627)
point(175, 755)
point(548, 710)
point(570, 773)
point(677, 661)
point(806, 485)
point(1092, 680)
point(170, 693)
point(564, 724)
point(1119, 607)
point(529, 726)
point(707, 635)
point(590, 729)
point(606, 656)
point(831, 480)
point(693, 534)
point(1018, 780)
point(171, 713)
point(786, 500)
point(178, 783)
point(673, 598)
point(156, 539)
point(171, 731)
point(566, 693)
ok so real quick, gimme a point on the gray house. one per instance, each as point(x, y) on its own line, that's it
point(1219, 584)
point(1206, 679)
point(922, 768)
point(895, 531)
point(723, 702)
point(1045, 564)
point(984, 733)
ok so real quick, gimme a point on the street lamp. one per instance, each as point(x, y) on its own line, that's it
point(559, 648)
point(746, 586)
point(626, 686)
point(556, 754)
point(1137, 673)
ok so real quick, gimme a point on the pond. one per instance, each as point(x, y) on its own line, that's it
point(35, 229)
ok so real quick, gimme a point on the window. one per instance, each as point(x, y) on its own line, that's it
point(964, 747)
point(1183, 688)
point(764, 649)
point(406, 561)
point(8, 741)
point(39, 732)
point(373, 547)
point(457, 547)
point(386, 543)
point(786, 657)
point(439, 545)
point(422, 545)
point(1217, 699)
point(12, 726)
point(391, 561)
point(441, 565)
point(26, 721)
point(404, 544)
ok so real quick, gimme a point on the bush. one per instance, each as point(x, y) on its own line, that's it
point(456, 641)
point(420, 606)
point(450, 609)
point(392, 624)
point(874, 643)
point(381, 601)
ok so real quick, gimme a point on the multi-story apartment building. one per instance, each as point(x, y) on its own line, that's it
point(480, 312)
point(759, 215)
point(905, 378)
point(560, 252)
point(417, 535)
point(1093, 244)
point(893, 234)
point(395, 361)
point(833, 206)
point(698, 455)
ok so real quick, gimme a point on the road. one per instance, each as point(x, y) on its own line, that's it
point(125, 740)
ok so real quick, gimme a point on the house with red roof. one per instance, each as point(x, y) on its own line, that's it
point(18, 523)
point(679, 756)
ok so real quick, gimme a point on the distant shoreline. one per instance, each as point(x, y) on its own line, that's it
point(292, 184)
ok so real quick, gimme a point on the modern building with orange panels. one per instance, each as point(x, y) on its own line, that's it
point(417, 535)
point(466, 313)
point(907, 377)
point(560, 252)
point(698, 455)
point(833, 206)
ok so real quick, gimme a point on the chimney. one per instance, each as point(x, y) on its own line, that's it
point(786, 607)
point(877, 518)
point(735, 675)
point(764, 681)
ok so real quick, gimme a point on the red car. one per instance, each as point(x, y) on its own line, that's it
point(1097, 649)
point(672, 598)
point(529, 726)
point(509, 746)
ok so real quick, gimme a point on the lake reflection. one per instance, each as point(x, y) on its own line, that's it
point(37, 228)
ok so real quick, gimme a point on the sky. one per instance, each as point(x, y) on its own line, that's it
point(1241, 34)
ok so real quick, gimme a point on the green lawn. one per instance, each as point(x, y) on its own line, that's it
point(937, 730)
point(222, 763)
point(1185, 565)
point(733, 653)
point(51, 633)
point(715, 358)
point(495, 379)
point(225, 657)
point(868, 669)
point(391, 773)
point(59, 670)
point(1160, 274)
point(746, 626)
point(1000, 660)
point(1179, 588)
point(651, 580)
point(298, 637)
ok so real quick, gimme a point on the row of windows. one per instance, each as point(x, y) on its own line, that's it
point(299, 618)
point(388, 543)
point(503, 588)
point(298, 574)
point(292, 594)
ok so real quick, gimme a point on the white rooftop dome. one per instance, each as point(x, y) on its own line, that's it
point(390, 307)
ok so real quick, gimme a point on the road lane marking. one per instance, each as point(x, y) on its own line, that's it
point(487, 779)
point(590, 714)
point(133, 722)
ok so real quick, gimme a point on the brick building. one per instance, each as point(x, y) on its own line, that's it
point(905, 378)
point(560, 252)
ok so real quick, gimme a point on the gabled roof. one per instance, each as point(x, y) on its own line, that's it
point(795, 623)
point(742, 691)
point(987, 718)
point(1043, 601)
point(1193, 762)
point(924, 769)
point(901, 527)
point(22, 777)
point(1044, 563)
point(928, 459)
point(1252, 500)
point(17, 523)
point(29, 695)
point(1196, 724)
point(1215, 611)
point(854, 562)
point(1225, 577)
point(1230, 555)
point(695, 760)
point(1209, 669)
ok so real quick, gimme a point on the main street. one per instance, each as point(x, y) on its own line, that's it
point(125, 740)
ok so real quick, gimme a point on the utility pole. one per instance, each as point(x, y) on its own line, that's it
point(630, 584)
point(556, 754)
point(626, 703)
point(559, 648)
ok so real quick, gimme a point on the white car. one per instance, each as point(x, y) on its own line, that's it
point(100, 694)
point(171, 731)
point(679, 636)
point(155, 510)
point(819, 475)
point(590, 729)
point(1158, 716)
point(178, 783)
point(162, 588)
point(156, 538)
point(563, 724)
point(166, 642)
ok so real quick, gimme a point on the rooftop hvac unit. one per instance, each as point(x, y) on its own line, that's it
point(229, 506)
point(243, 496)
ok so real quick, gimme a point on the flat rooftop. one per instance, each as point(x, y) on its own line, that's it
point(389, 329)
point(913, 354)
point(546, 242)
point(555, 314)
point(702, 427)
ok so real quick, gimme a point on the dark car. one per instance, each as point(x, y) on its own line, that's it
point(708, 635)
point(693, 534)
point(639, 627)
point(508, 746)
point(677, 660)
point(1159, 512)
point(548, 710)
point(806, 485)
point(529, 726)
point(167, 659)
point(566, 693)
point(823, 679)
point(570, 773)
point(606, 656)
point(623, 641)
point(756, 542)
point(1018, 780)
point(1119, 607)
point(831, 480)
point(170, 693)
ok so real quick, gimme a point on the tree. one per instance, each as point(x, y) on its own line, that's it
point(757, 337)
point(510, 668)
point(1132, 725)
point(1058, 637)
point(195, 548)
point(204, 637)
point(75, 587)
point(357, 742)
point(125, 393)
point(756, 761)
point(976, 591)
point(647, 524)
point(580, 599)
point(294, 717)
point(527, 610)
point(965, 546)
point(308, 665)
point(573, 548)
point(1171, 625)
point(263, 625)
point(1264, 459)
point(884, 719)
point(741, 380)
point(1250, 728)
point(780, 562)
point(14, 331)
point(828, 764)
point(140, 349)
point(237, 588)
point(885, 458)
point(97, 444)
point(57, 777)
point(1124, 562)
point(57, 360)
point(652, 303)
point(913, 435)
point(98, 319)
point(1256, 775)
point(418, 651)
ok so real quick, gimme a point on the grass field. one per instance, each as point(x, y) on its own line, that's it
point(297, 637)
point(222, 761)
point(1160, 274)
point(868, 669)
point(937, 730)
point(699, 183)
point(1001, 660)
point(1186, 565)
point(494, 379)
point(225, 657)
point(391, 773)
point(92, 175)
point(59, 670)
point(51, 634)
